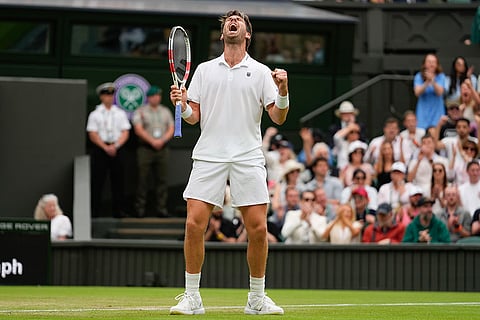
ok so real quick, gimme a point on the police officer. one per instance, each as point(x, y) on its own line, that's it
point(153, 124)
point(108, 130)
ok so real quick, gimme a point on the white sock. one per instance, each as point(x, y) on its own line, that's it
point(257, 285)
point(192, 282)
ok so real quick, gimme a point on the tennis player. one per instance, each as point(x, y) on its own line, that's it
point(227, 95)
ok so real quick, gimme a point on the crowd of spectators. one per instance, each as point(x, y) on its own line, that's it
point(419, 181)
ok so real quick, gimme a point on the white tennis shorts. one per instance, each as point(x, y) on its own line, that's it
point(248, 182)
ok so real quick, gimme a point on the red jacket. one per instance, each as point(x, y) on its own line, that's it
point(373, 233)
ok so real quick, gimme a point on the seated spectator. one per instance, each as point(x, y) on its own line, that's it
point(312, 150)
point(332, 185)
point(220, 229)
point(342, 140)
point(49, 209)
point(426, 227)
point(385, 230)
point(292, 202)
point(396, 192)
point(360, 207)
point(406, 213)
point(383, 165)
point(420, 169)
point(453, 145)
point(347, 113)
point(344, 229)
point(359, 181)
point(446, 124)
point(290, 178)
point(304, 225)
point(356, 151)
point(470, 190)
point(321, 205)
point(391, 134)
point(457, 219)
point(410, 136)
point(476, 223)
point(439, 183)
point(468, 151)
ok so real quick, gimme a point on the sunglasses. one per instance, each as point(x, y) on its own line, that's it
point(308, 199)
point(453, 108)
point(469, 149)
point(437, 170)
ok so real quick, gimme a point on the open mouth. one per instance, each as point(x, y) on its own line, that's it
point(233, 27)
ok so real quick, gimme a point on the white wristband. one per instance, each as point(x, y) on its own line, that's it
point(187, 113)
point(282, 102)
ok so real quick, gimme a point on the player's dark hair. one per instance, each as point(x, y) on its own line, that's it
point(241, 14)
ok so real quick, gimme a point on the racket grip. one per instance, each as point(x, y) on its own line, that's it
point(178, 121)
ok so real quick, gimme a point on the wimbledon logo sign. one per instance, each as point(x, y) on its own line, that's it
point(131, 92)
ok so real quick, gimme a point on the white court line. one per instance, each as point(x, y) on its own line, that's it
point(294, 306)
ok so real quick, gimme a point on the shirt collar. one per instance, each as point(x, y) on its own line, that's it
point(244, 63)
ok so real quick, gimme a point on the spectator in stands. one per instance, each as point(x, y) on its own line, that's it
point(384, 163)
point(220, 229)
point(410, 136)
point(406, 213)
point(459, 71)
point(457, 219)
point(313, 149)
point(356, 152)
point(476, 223)
point(447, 123)
point(420, 169)
point(426, 227)
point(304, 225)
point(453, 145)
point(342, 140)
point(469, 102)
point(49, 209)
point(396, 192)
point(359, 181)
point(344, 229)
point(470, 190)
point(331, 185)
point(347, 113)
point(108, 129)
point(429, 86)
point(273, 231)
point(391, 132)
point(385, 230)
point(281, 202)
point(277, 150)
point(458, 165)
point(321, 205)
point(310, 137)
point(360, 207)
point(439, 183)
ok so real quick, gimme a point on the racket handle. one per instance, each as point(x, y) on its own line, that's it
point(178, 120)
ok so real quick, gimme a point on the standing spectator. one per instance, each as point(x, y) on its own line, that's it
point(342, 141)
point(470, 190)
point(391, 133)
point(429, 86)
point(469, 102)
point(385, 230)
point(108, 129)
point(304, 225)
point(397, 191)
point(153, 124)
point(457, 219)
point(229, 148)
point(356, 152)
point(331, 185)
point(410, 136)
point(426, 227)
point(420, 169)
point(49, 209)
point(344, 228)
point(458, 165)
point(459, 71)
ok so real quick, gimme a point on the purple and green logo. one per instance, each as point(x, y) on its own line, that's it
point(131, 90)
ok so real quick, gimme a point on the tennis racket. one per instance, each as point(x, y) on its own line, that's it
point(179, 60)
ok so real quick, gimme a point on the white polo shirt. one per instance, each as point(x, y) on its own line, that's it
point(109, 124)
point(231, 106)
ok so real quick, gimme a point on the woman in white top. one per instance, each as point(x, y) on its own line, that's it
point(48, 209)
point(343, 229)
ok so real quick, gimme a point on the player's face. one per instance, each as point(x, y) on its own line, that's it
point(235, 30)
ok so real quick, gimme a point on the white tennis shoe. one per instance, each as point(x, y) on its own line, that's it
point(188, 304)
point(261, 305)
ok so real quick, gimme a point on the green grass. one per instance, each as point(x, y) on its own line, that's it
point(23, 302)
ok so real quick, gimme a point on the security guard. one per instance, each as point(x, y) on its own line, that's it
point(154, 126)
point(108, 129)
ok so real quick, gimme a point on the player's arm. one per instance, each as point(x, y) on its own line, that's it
point(278, 111)
point(190, 110)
